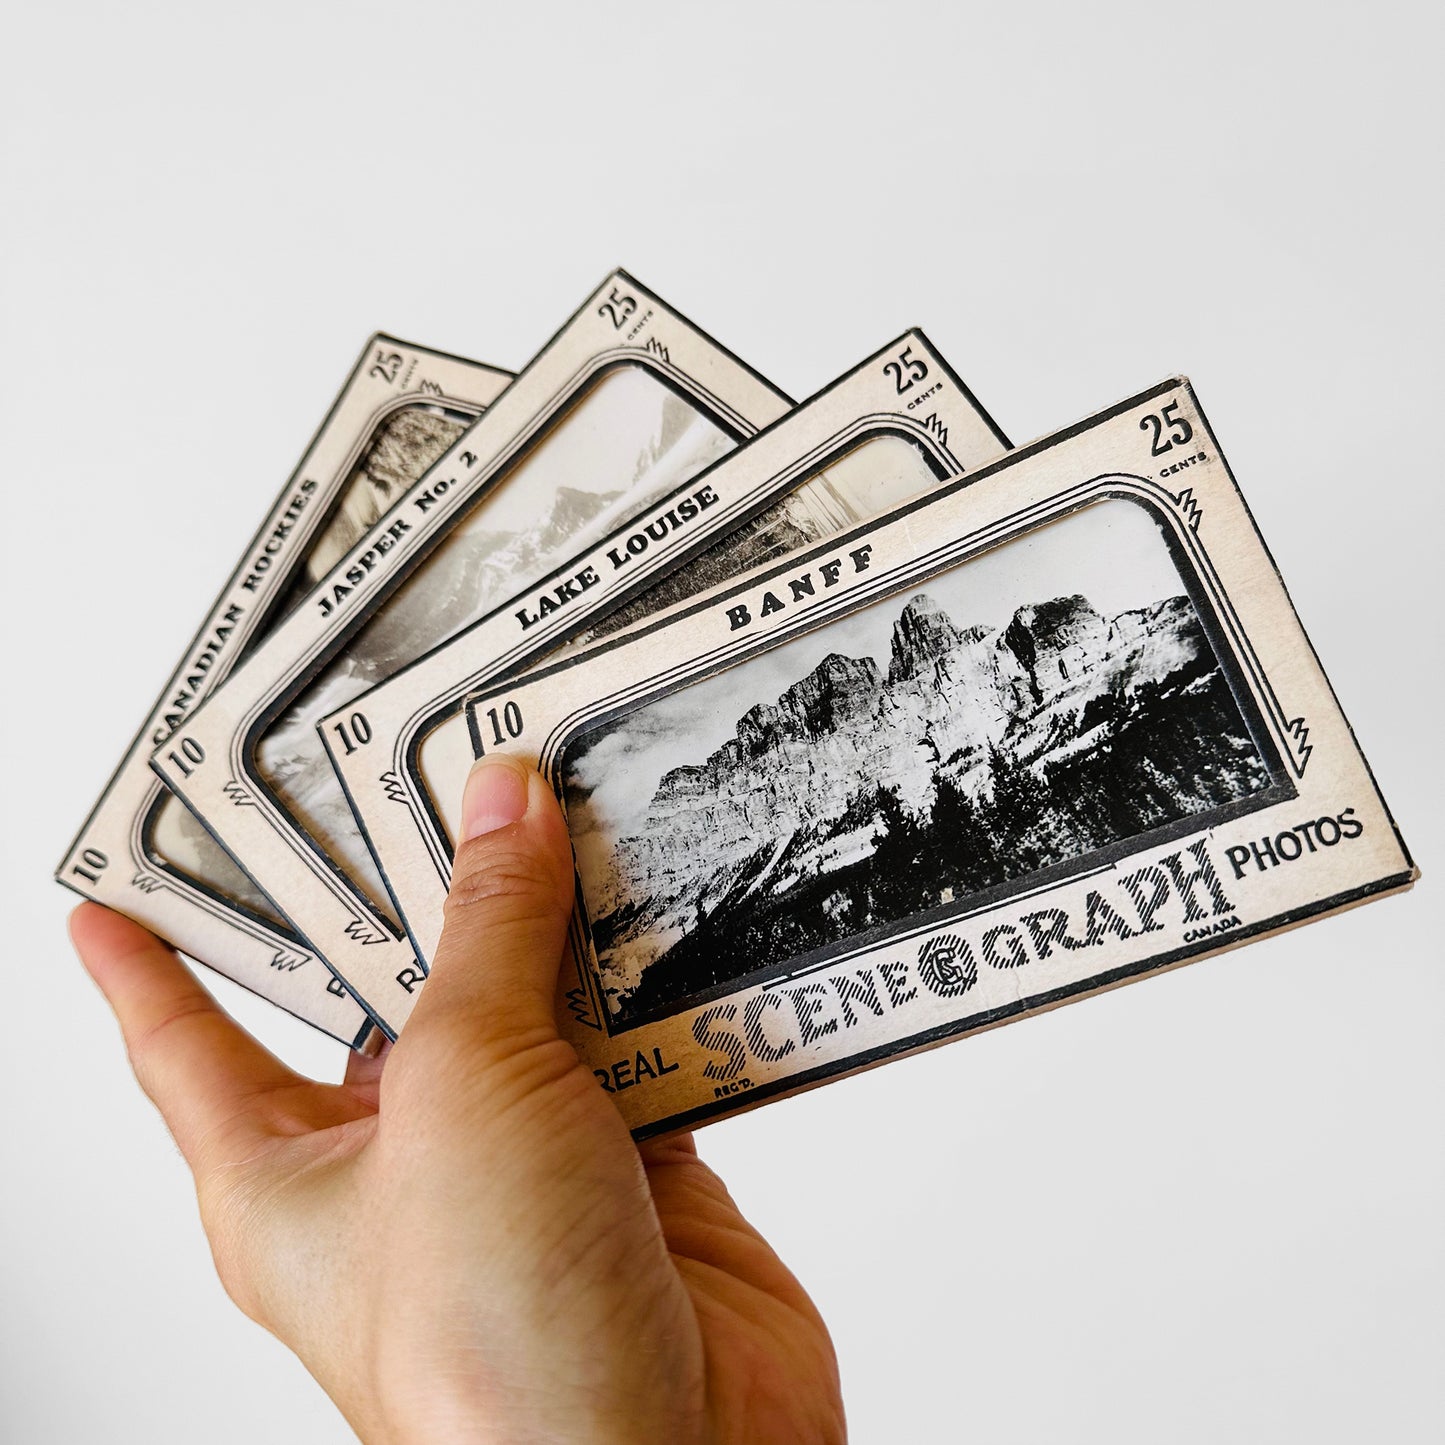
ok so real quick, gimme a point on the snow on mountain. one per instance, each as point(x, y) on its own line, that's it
point(473, 571)
point(980, 754)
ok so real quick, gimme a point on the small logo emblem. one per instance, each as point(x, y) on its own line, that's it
point(947, 965)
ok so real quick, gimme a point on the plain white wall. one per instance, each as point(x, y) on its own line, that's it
point(1205, 1208)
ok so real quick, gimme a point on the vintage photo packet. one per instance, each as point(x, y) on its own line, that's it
point(891, 428)
point(141, 851)
point(625, 403)
point(1013, 743)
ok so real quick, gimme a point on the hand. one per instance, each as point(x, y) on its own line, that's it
point(462, 1242)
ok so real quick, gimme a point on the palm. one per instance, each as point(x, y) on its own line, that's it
point(768, 1362)
point(281, 1161)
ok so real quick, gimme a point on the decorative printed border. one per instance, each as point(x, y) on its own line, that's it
point(1217, 615)
point(396, 802)
point(1251, 870)
point(345, 928)
point(109, 860)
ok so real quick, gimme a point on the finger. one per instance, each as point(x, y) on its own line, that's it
point(205, 1074)
point(495, 970)
point(363, 1071)
point(702, 1223)
point(668, 1149)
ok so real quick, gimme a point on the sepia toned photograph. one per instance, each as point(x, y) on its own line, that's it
point(1028, 708)
point(177, 841)
point(839, 459)
point(628, 441)
point(404, 447)
point(400, 450)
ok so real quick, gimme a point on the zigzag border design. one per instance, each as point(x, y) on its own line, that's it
point(362, 933)
point(1191, 510)
point(580, 1007)
point(1299, 735)
point(238, 793)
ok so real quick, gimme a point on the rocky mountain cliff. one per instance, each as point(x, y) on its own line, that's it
point(860, 797)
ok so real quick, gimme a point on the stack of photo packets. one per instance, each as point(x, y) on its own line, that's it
point(870, 730)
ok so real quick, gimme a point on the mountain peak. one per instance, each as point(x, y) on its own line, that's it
point(1052, 626)
point(833, 694)
point(921, 635)
point(1006, 752)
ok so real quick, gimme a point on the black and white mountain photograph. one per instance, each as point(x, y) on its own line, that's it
point(629, 440)
point(1027, 708)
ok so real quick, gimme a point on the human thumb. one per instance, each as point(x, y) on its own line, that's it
point(494, 975)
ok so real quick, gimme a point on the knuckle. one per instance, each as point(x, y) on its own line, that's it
point(147, 1038)
point(512, 883)
point(149, 1043)
point(450, 1044)
point(476, 1069)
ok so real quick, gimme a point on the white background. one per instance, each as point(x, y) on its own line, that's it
point(1206, 1208)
